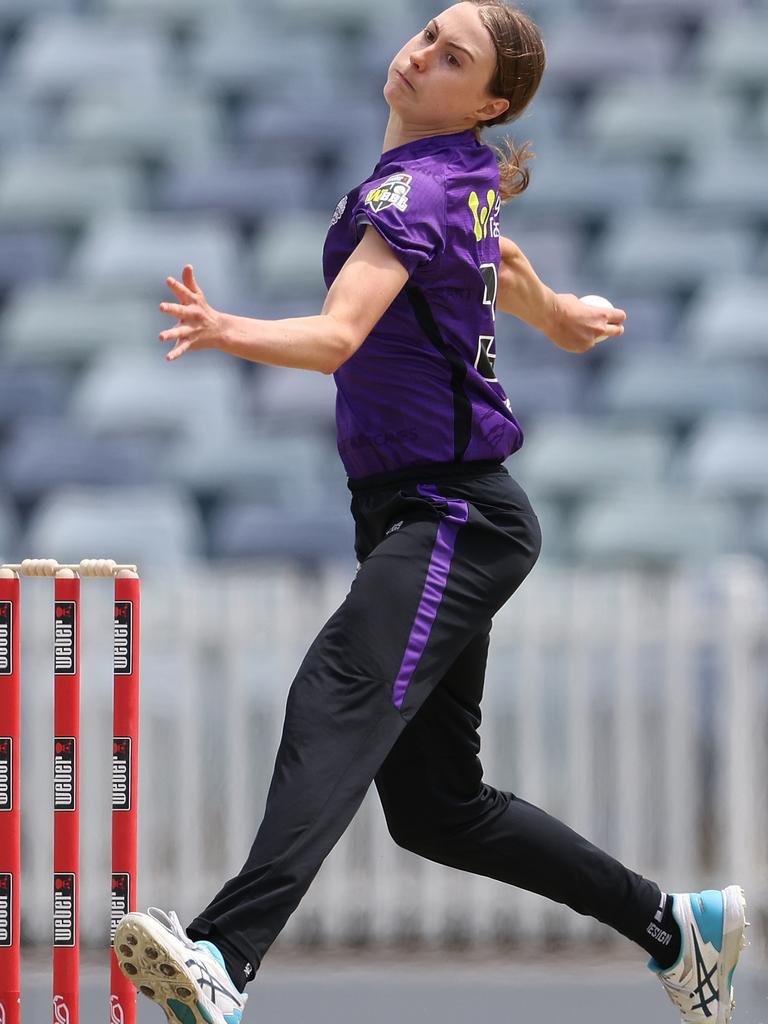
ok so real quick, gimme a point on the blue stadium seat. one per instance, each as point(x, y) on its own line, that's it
point(728, 455)
point(305, 534)
point(572, 456)
point(653, 528)
point(61, 324)
point(675, 389)
point(49, 187)
point(157, 527)
point(733, 50)
point(147, 121)
point(727, 322)
point(234, 185)
point(652, 249)
point(46, 452)
point(31, 391)
point(29, 256)
point(658, 117)
point(57, 53)
point(138, 253)
point(140, 393)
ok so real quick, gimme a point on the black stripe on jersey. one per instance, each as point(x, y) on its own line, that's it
point(462, 407)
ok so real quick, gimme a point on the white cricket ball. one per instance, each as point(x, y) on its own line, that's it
point(601, 303)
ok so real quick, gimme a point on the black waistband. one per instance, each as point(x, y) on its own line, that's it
point(433, 471)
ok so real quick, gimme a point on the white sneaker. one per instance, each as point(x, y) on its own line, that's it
point(712, 926)
point(188, 979)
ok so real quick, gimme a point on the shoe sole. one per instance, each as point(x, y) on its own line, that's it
point(155, 969)
point(734, 941)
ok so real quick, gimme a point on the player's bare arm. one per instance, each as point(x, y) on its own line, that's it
point(359, 296)
point(569, 323)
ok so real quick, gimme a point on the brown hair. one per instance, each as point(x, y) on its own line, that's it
point(520, 64)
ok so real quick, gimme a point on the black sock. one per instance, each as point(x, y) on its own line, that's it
point(662, 936)
point(240, 970)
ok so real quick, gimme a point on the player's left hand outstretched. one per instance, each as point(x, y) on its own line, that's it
point(199, 325)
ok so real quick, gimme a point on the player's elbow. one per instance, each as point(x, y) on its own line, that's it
point(344, 342)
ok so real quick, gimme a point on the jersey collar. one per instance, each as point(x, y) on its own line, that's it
point(427, 145)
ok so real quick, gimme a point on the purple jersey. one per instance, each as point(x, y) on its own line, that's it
point(422, 388)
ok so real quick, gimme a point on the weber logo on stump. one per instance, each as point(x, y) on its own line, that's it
point(64, 773)
point(6, 773)
point(121, 773)
point(6, 638)
point(6, 910)
point(64, 909)
point(123, 638)
point(64, 653)
point(121, 901)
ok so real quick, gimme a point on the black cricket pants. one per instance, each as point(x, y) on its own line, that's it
point(390, 692)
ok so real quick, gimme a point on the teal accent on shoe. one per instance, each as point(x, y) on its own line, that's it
point(213, 950)
point(181, 1012)
point(233, 1018)
point(708, 910)
point(204, 1013)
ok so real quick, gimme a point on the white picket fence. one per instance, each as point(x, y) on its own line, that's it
point(634, 707)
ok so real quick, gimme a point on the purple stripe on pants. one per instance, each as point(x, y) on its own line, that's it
point(434, 588)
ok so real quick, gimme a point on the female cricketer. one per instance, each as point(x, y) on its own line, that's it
point(390, 690)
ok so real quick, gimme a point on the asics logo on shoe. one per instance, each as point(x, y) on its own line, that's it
point(703, 979)
point(206, 980)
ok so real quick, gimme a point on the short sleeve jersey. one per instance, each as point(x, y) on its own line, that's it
point(422, 388)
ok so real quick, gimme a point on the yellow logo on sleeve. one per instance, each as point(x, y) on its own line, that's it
point(487, 217)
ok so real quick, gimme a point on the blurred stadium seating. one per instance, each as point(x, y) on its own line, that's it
point(137, 135)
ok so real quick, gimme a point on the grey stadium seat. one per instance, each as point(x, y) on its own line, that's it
point(658, 117)
point(744, 169)
point(177, 12)
point(309, 534)
point(728, 455)
point(142, 121)
point(653, 528)
point(29, 255)
point(287, 258)
point(657, 250)
point(50, 188)
point(728, 321)
point(554, 252)
point(156, 527)
point(294, 401)
point(538, 391)
point(587, 51)
point(60, 324)
point(272, 470)
point(570, 456)
point(733, 50)
point(56, 53)
point(674, 387)
point(246, 56)
point(9, 533)
point(654, 12)
point(138, 253)
point(31, 391)
point(23, 121)
point(233, 185)
point(20, 10)
point(44, 453)
point(144, 394)
point(760, 532)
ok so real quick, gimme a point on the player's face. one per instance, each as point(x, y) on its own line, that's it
point(447, 68)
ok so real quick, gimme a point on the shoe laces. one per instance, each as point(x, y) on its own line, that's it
point(173, 924)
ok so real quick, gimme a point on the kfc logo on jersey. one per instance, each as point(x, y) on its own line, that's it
point(339, 213)
point(394, 192)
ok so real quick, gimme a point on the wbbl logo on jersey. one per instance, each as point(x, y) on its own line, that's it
point(394, 192)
